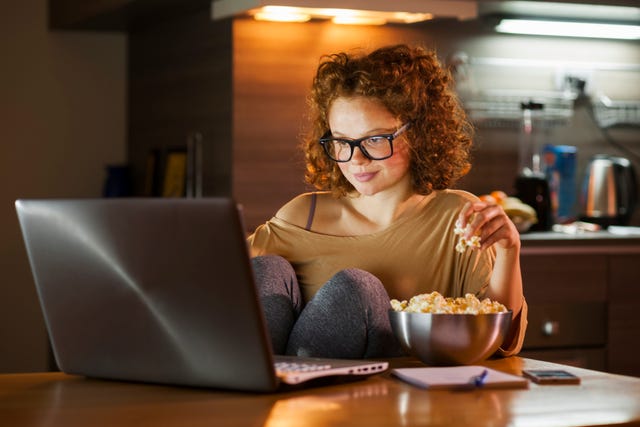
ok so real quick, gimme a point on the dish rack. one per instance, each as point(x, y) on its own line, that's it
point(503, 109)
point(610, 113)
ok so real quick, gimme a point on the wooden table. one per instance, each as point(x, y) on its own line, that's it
point(56, 399)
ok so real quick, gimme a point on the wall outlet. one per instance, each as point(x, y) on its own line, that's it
point(578, 81)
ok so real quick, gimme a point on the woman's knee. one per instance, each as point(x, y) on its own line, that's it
point(276, 276)
point(357, 281)
point(271, 263)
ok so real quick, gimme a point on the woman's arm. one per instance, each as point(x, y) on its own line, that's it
point(491, 223)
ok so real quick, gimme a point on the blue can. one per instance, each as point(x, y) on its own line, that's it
point(560, 170)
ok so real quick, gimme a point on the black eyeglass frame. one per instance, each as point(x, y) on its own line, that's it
point(353, 143)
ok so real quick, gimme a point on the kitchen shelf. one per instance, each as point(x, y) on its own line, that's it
point(499, 107)
point(612, 113)
point(502, 108)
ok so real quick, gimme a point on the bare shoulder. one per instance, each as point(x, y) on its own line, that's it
point(296, 210)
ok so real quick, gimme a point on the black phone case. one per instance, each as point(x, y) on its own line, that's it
point(551, 376)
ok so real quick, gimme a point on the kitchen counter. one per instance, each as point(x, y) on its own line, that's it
point(621, 240)
point(56, 399)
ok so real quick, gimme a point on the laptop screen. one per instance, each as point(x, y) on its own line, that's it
point(156, 290)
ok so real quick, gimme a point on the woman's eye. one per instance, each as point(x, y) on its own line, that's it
point(375, 140)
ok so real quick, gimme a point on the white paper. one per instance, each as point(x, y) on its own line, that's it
point(458, 377)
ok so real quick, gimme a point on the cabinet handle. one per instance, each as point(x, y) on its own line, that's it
point(551, 328)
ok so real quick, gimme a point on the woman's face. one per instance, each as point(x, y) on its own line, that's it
point(358, 117)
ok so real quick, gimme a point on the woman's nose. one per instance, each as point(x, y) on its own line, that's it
point(358, 156)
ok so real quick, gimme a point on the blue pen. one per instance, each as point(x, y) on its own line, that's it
point(476, 381)
point(479, 380)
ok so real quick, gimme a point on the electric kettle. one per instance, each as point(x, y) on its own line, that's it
point(609, 191)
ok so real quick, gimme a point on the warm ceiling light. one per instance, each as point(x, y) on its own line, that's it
point(369, 17)
point(358, 20)
point(338, 16)
point(397, 11)
point(569, 29)
point(281, 14)
point(410, 18)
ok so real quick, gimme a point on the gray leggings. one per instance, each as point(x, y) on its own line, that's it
point(347, 317)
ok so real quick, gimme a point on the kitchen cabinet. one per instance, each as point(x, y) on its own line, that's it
point(583, 296)
point(624, 314)
point(115, 15)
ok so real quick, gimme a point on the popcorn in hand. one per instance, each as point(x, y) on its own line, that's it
point(463, 243)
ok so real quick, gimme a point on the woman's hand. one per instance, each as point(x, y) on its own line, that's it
point(488, 220)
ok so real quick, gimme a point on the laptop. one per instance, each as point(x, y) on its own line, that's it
point(158, 290)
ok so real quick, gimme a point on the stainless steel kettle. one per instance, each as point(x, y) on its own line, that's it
point(609, 191)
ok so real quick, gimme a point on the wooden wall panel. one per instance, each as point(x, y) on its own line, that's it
point(243, 85)
point(273, 67)
point(274, 64)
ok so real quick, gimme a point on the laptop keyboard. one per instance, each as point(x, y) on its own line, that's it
point(292, 367)
point(297, 369)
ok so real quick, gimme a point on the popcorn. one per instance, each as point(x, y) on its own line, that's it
point(463, 243)
point(437, 304)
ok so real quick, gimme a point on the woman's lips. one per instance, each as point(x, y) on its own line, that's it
point(364, 176)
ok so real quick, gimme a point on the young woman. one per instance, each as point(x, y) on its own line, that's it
point(388, 141)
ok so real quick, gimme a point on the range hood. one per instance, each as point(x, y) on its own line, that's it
point(406, 11)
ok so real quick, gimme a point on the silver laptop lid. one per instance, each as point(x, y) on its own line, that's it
point(154, 290)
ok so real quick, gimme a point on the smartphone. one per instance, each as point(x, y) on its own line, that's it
point(550, 376)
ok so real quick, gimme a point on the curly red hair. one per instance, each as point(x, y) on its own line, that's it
point(413, 86)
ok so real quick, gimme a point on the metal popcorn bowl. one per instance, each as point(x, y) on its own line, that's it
point(450, 339)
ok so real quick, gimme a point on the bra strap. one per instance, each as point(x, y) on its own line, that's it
point(312, 211)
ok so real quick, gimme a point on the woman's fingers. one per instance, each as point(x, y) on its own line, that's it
point(489, 221)
point(465, 214)
point(480, 214)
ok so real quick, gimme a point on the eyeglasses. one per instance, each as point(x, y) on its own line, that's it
point(375, 147)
